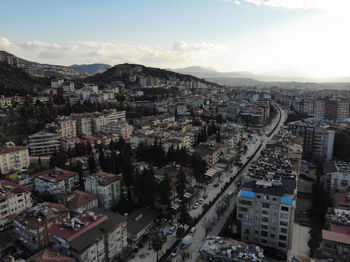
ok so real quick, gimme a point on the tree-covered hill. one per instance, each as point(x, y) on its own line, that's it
point(15, 81)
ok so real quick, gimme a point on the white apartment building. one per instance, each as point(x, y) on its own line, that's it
point(66, 127)
point(116, 116)
point(319, 109)
point(43, 143)
point(107, 187)
point(13, 159)
point(343, 109)
point(56, 181)
point(91, 236)
point(265, 211)
point(14, 199)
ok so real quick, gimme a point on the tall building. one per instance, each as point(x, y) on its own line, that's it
point(265, 211)
point(318, 139)
point(31, 227)
point(66, 127)
point(84, 124)
point(43, 143)
point(14, 199)
point(106, 186)
point(14, 159)
point(56, 181)
point(91, 236)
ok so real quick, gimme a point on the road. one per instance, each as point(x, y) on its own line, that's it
point(147, 254)
point(199, 236)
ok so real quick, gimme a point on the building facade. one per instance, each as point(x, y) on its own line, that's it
point(14, 159)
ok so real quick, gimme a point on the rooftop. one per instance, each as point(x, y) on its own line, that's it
point(55, 174)
point(336, 237)
point(12, 149)
point(277, 188)
point(49, 255)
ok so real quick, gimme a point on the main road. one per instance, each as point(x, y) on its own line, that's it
point(199, 236)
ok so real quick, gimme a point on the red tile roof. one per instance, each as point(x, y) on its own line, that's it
point(12, 149)
point(18, 188)
point(49, 255)
point(336, 237)
point(61, 174)
point(81, 198)
point(70, 234)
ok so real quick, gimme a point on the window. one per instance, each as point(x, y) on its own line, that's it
point(282, 237)
point(283, 245)
point(265, 212)
point(257, 232)
point(239, 215)
point(283, 223)
point(243, 209)
point(245, 202)
point(274, 199)
point(258, 196)
point(264, 227)
point(266, 197)
point(272, 235)
point(266, 205)
point(264, 219)
point(263, 233)
point(283, 208)
point(283, 230)
point(284, 215)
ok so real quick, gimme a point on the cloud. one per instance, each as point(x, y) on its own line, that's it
point(178, 54)
point(300, 4)
point(237, 2)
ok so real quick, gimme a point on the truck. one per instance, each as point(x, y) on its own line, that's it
point(186, 241)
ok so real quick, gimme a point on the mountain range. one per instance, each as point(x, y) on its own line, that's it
point(286, 75)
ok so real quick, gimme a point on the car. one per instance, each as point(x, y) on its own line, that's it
point(192, 230)
point(216, 185)
point(160, 230)
point(196, 205)
point(171, 230)
point(205, 196)
point(174, 252)
point(200, 201)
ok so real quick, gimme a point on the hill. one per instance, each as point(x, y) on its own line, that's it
point(15, 81)
point(122, 71)
point(92, 68)
point(49, 70)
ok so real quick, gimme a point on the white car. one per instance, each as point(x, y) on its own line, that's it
point(196, 205)
point(201, 200)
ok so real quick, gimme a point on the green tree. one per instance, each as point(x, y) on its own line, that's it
point(157, 243)
point(165, 191)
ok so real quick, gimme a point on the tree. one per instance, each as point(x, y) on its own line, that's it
point(185, 217)
point(180, 232)
point(58, 159)
point(144, 187)
point(157, 243)
point(92, 164)
point(165, 191)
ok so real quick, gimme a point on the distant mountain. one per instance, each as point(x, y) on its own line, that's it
point(50, 70)
point(285, 75)
point(14, 81)
point(92, 68)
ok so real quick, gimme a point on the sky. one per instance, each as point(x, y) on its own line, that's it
point(310, 36)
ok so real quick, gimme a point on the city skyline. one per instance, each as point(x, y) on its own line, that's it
point(228, 35)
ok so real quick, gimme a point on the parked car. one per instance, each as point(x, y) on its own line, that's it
point(201, 200)
point(205, 196)
point(192, 230)
point(171, 230)
point(174, 252)
point(196, 205)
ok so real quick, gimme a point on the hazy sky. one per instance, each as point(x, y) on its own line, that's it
point(311, 36)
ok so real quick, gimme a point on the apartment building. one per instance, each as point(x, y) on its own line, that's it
point(66, 127)
point(265, 212)
point(115, 116)
point(253, 117)
point(107, 188)
point(14, 199)
point(56, 181)
point(14, 159)
point(318, 139)
point(84, 124)
point(31, 227)
point(91, 236)
point(337, 175)
point(99, 121)
point(123, 129)
point(43, 143)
